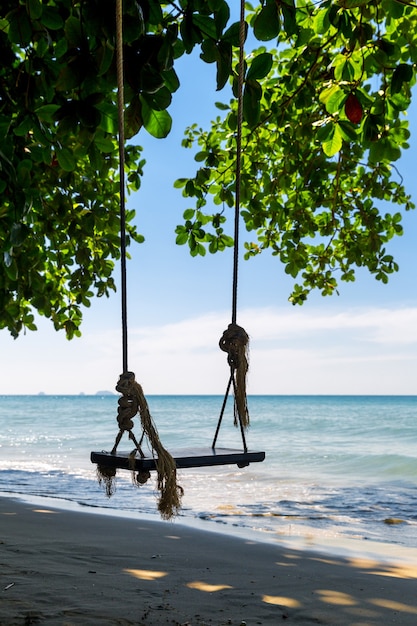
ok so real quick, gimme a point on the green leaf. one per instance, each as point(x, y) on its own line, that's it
point(394, 8)
point(51, 18)
point(232, 34)
point(73, 31)
point(333, 97)
point(47, 111)
point(222, 106)
point(20, 27)
point(104, 144)
point(180, 183)
point(289, 14)
point(260, 66)
point(201, 249)
point(322, 21)
point(159, 100)
point(35, 9)
point(61, 48)
point(155, 12)
point(24, 127)
point(200, 156)
point(348, 131)
point(105, 58)
point(23, 173)
point(252, 94)
point(224, 63)
point(133, 118)
point(324, 132)
point(181, 238)
point(206, 25)
point(221, 14)
point(157, 123)
point(334, 143)
point(67, 79)
point(108, 119)
point(209, 51)
point(66, 159)
point(403, 73)
point(384, 150)
point(41, 47)
point(171, 80)
point(267, 23)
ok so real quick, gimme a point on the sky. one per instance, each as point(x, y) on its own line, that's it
point(363, 341)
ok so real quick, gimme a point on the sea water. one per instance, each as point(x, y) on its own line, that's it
point(336, 466)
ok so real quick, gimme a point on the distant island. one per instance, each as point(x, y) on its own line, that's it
point(105, 393)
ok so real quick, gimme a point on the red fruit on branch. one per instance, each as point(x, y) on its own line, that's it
point(353, 109)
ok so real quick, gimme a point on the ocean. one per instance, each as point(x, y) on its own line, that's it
point(336, 467)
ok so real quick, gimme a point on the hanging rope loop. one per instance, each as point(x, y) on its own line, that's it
point(133, 401)
point(238, 167)
point(235, 341)
point(122, 190)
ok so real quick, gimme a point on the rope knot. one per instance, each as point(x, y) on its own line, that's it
point(133, 401)
point(125, 384)
point(235, 341)
point(128, 403)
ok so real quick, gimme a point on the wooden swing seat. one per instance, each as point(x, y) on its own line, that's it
point(185, 458)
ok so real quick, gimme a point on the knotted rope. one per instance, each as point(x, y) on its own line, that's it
point(235, 341)
point(133, 399)
point(132, 402)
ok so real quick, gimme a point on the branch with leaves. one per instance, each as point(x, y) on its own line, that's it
point(59, 190)
point(324, 124)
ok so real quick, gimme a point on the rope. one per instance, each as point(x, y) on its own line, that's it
point(241, 74)
point(121, 135)
point(133, 400)
point(170, 492)
point(235, 340)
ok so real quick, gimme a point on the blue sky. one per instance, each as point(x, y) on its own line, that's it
point(363, 341)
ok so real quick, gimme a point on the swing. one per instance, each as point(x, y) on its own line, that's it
point(234, 342)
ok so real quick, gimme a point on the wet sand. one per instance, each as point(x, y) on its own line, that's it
point(64, 567)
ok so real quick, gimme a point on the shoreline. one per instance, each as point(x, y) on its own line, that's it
point(76, 568)
point(305, 540)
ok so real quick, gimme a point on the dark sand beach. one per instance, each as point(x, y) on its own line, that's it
point(64, 568)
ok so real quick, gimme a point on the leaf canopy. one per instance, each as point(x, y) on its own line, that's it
point(59, 181)
point(325, 96)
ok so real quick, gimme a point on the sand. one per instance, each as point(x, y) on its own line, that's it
point(68, 567)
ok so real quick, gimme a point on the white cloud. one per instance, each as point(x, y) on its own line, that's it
point(300, 351)
point(380, 325)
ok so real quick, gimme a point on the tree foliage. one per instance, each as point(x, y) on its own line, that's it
point(323, 126)
point(59, 184)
